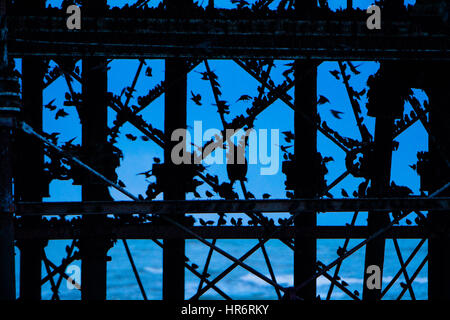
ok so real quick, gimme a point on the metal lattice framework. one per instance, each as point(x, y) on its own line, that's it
point(413, 50)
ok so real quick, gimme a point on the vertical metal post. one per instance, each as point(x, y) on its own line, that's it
point(380, 182)
point(306, 166)
point(94, 121)
point(306, 175)
point(380, 165)
point(29, 180)
point(175, 118)
point(7, 278)
point(94, 138)
point(9, 107)
point(439, 146)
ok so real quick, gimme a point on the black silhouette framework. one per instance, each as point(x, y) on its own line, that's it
point(413, 51)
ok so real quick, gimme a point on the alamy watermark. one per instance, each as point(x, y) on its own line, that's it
point(374, 20)
point(73, 22)
point(374, 279)
point(237, 147)
point(73, 277)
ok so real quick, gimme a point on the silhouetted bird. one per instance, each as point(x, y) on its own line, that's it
point(353, 68)
point(147, 174)
point(50, 105)
point(336, 113)
point(244, 97)
point(322, 100)
point(240, 3)
point(204, 75)
point(401, 191)
point(285, 148)
point(131, 137)
point(335, 74)
point(196, 98)
point(148, 72)
point(289, 136)
point(60, 114)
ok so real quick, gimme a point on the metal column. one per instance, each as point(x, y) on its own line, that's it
point(9, 107)
point(306, 176)
point(439, 155)
point(7, 276)
point(386, 109)
point(305, 163)
point(29, 184)
point(94, 138)
point(175, 118)
point(29, 180)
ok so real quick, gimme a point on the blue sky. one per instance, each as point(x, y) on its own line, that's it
point(138, 155)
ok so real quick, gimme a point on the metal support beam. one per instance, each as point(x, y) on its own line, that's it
point(94, 137)
point(174, 118)
point(381, 171)
point(306, 175)
point(9, 107)
point(319, 38)
point(439, 242)
point(7, 277)
point(29, 168)
point(232, 206)
point(380, 182)
point(94, 122)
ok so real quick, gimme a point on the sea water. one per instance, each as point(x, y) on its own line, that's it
point(239, 284)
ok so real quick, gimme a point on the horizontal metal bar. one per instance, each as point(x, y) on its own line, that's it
point(230, 206)
point(149, 231)
point(225, 38)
